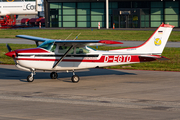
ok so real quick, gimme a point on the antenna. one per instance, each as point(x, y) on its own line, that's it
point(76, 36)
point(68, 36)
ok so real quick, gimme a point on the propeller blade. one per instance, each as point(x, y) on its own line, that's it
point(8, 47)
point(11, 53)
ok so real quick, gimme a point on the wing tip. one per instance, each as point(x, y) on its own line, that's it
point(110, 42)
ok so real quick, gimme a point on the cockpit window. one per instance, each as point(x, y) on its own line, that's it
point(48, 45)
point(76, 50)
point(80, 50)
point(64, 49)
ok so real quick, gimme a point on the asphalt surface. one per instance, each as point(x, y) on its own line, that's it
point(101, 94)
point(125, 43)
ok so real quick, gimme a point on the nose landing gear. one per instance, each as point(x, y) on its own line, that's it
point(30, 78)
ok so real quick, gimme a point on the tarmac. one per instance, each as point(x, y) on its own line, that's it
point(101, 94)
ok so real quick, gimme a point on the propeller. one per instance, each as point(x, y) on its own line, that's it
point(9, 48)
point(11, 53)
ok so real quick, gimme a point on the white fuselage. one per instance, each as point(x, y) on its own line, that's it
point(44, 60)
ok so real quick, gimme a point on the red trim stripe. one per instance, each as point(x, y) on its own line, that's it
point(110, 42)
point(103, 59)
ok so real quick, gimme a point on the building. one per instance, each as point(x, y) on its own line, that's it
point(121, 13)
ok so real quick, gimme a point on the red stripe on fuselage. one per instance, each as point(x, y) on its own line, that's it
point(103, 59)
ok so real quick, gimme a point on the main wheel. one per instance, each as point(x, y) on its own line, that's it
point(54, 75)
point(30, 78)
point(75, 79)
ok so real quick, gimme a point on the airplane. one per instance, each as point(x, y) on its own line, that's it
point(70, 55)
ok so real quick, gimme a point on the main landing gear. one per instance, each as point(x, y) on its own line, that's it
point(75, 78)
point(53, 75)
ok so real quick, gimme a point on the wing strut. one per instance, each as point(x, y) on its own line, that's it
point(63, 56)
point(37, 43)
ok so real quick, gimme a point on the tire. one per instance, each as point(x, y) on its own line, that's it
point(54, 75)
point(30, 78)
point(75, 79)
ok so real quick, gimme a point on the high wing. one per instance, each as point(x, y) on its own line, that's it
point(70, 42)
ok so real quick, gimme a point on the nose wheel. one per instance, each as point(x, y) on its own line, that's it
point(30, 78)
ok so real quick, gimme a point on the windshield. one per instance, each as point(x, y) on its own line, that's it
point(48, 45)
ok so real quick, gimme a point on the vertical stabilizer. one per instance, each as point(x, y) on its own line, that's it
point(156, 43)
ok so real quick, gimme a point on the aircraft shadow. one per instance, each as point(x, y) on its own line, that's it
point(16, 74)
point(95, 72)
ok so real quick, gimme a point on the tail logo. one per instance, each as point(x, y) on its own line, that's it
point(157, 41)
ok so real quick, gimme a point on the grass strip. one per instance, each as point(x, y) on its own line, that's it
point(86, 34)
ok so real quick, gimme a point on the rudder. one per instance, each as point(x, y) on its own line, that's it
point(156, 43)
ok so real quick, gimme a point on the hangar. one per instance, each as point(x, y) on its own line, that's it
point(120, 13)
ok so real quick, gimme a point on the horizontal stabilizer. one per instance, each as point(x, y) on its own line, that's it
point(152, 57)
point(163, 58)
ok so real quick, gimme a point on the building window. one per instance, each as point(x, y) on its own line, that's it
point(144, 18)
point(83, 15)
point(112, 6)
point(97, 14)
point(167, 12)
point(55, 14)
point(171, 13)
point(77, 14)
point(69, 14)
point(156, 13)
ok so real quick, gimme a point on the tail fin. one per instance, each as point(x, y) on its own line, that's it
point(156, 43)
